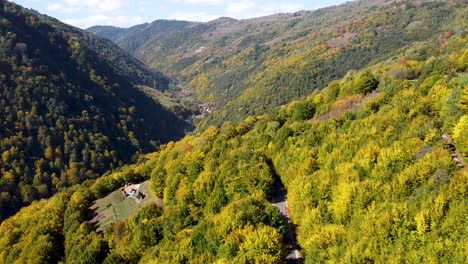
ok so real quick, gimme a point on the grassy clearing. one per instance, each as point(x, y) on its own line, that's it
point(115, 207)
point(159, 96)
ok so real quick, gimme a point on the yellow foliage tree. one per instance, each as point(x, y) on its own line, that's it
point(460, 135)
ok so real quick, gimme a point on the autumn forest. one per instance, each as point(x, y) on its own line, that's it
point(357, 113)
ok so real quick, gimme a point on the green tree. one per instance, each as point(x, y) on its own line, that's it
point(365, 82)
point(303, 111)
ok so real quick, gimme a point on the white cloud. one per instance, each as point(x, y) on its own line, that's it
point(61, 8)
point(193, 16)
point(251, 8)
point(211, 2)
point(239, 7)
point(86, 13)
point(90, 6)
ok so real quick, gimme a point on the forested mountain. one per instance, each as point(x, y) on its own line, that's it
point(68, 107)
point(109, 32)
point(374, 165)
point(251, 66)
point(369, 166)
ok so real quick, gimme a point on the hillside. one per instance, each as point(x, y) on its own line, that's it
point(369, 172)
point(250, 67)
point(69, 110)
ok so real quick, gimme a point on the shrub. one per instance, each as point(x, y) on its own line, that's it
point(365, 83)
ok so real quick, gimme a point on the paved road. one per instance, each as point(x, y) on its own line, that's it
point(279, 201)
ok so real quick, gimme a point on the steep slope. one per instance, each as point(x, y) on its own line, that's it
point(246, 67)
point(369, 178)
point(68, 107)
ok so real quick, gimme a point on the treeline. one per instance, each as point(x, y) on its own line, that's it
point(67, 114)
point(368, 174)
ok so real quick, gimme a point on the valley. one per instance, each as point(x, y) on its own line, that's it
point(243, 66)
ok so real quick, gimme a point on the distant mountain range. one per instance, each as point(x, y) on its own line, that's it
point(248, 67)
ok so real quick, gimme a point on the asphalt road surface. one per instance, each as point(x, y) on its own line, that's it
point(279, 201)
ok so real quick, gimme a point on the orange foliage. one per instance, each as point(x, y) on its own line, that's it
point(347, 102)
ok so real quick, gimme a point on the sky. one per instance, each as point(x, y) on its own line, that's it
point(126, 13)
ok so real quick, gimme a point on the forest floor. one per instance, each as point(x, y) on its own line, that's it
point(280, 202)
point(116, 207)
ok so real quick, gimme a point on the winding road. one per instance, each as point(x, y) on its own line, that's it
point(279, 201)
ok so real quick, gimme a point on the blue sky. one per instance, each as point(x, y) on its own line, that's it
point(125, 13)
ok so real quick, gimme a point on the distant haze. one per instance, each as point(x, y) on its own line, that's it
point(126, 13)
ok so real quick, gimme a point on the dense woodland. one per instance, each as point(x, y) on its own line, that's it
point(68, 108)
point(250, 67)
point(369, 176)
